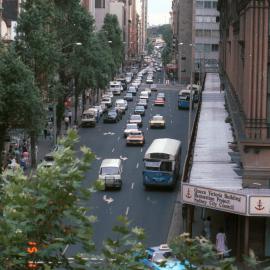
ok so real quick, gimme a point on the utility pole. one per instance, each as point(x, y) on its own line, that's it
point(1, 15)
point(191, 95)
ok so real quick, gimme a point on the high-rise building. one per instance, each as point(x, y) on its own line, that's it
point(196, 32)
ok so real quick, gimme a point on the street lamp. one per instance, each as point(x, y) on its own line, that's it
point(191, 94)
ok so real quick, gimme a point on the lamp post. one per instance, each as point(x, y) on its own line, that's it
point(191, 94)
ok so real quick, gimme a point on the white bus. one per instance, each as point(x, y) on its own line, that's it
point(162, 163)
point(116, 87)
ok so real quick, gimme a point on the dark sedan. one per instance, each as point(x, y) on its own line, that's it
point(112, 116)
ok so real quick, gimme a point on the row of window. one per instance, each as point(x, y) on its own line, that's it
point(206, 4)
point(206, 47)
point(206, 19)
point(207, 33)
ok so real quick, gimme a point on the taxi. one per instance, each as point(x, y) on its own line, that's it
point(159, 102)
point(157, 121)
point(135, 138)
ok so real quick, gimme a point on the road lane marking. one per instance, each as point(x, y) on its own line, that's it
point(141, 150)
point(118, 138)
point(132, 185)
point(113, 150)
point(137, 166)
point(127, 210)
point(171, 121)
point(108, 200)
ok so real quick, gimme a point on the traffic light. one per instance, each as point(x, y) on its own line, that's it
point(174, 42)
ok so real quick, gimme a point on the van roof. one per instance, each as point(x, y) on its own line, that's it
point(111, 162)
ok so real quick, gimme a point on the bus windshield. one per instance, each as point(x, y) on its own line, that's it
point(165, 166)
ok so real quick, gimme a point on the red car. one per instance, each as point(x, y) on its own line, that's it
point(159, 102)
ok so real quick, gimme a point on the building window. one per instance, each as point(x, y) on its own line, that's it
point(214, 47)
point(207, 4)
point(199, 4)
point(100, 3)
point(215, 5)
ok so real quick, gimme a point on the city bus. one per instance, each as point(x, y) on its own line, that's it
point(184, 99)
point(162, 163)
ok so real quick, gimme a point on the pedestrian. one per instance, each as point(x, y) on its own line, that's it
point(69, 116)
point(66, 120)
point(207, 228)
point(221, 243)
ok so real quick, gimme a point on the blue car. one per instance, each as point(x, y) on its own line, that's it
point(161, 258)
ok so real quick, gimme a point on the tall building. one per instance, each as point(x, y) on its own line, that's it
point(133, 31)
point(102, 7)
point(195, 22)
point(144, 14)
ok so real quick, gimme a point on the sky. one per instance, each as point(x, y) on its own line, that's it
point(158, 11)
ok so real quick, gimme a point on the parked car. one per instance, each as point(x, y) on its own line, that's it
point(147, 89)
point(136, 119)
point(139, 110)
point(135, 138)
point(157, 121)
point(107, 101)
point(128, 97)
point(89, 118)
point(112, 116)
point(130, 128)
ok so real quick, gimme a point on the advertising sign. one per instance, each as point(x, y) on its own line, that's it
point(215, 199)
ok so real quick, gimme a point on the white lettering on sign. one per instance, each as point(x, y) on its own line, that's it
point(259, 205)
point(216, 199)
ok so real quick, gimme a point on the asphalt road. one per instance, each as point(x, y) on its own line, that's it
point(151, 210)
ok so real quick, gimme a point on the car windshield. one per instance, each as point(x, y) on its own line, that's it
point(157, 117)
point(109, 171)
point(129, 95)
point(49, 158)
point(140, 108)
point(131, 126)
point(161, 95)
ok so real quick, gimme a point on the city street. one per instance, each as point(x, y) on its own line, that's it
point(152, 209)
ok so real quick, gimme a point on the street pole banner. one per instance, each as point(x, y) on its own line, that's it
point(214, 199)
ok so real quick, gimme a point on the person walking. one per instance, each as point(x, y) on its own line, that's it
point(69, 116)
point(66, 120)
point(221, 243)
point(207, 228)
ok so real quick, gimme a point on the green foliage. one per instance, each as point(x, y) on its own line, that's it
point(46, 208)
point(20, 103)
point(113, 34)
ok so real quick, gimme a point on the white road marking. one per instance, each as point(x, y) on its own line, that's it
point(147, 128)
point(98, 158)
point(108, 133)
point(132, 185)
point(141, 150)
point(127, 210)
point(113, 150)
point(123, 158)
point(171, 121)
point(118, 138)
point(137, 166)
point(108, 200)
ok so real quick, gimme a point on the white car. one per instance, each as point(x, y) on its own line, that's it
point(135, 119)
point(149, 80)
point(106, 101)
point(100, 108)
point(130, 128)
point(121, 104)
point(157, 121)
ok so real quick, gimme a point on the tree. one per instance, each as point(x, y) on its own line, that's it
point(113, 33)
point(20, 103)
point(44, 213)
point(36, 43)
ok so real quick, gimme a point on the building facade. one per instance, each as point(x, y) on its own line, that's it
point(196, 32)
point(245, 69)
